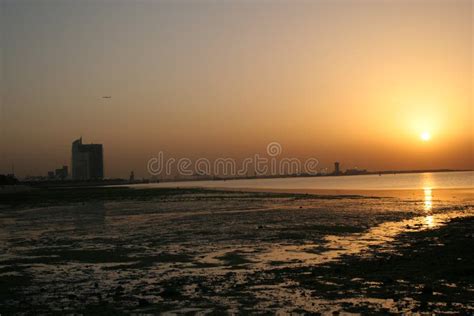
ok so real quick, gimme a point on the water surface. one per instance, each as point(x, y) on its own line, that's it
point(406, 181)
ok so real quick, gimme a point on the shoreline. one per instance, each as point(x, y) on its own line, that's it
point(120, 181)
point(111, 193)
point(403, 185)
point(410, 194)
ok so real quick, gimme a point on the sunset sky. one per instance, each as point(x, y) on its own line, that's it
point(355, 81)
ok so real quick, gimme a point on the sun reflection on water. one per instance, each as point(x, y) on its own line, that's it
point(428, 206)
point(428, 199)
point(429, 221)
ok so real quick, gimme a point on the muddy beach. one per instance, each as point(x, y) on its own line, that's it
point(196, 251)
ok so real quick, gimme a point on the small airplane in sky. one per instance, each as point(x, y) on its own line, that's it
point(107, 97)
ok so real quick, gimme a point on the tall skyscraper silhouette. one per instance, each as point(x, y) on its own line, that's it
point(87, 161)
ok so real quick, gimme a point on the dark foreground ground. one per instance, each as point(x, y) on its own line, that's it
point(121, 251)
point(429, 271)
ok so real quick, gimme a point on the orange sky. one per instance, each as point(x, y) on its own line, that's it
point(355, 81)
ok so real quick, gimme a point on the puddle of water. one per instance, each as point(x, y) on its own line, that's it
point(353, 244)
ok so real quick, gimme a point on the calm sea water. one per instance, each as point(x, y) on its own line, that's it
point(411, 181)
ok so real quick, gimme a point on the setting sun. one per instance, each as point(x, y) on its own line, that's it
point(425, 136)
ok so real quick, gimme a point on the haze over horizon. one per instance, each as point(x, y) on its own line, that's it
point(374, 84)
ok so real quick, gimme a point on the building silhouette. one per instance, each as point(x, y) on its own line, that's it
point(337, 171)
point(61, 173)
point(355, 171)
point(87, 161)
point(58, 174)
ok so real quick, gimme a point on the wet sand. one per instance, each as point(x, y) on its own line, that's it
point(118, 250)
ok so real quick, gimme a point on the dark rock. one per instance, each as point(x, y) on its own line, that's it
point(169, 293)
point(427, 290)
point(387, 281)
point(71, 296)
point(143, 302)
point(119, 290)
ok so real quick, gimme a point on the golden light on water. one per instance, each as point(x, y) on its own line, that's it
point(429, 221)
point(428, 199)
point(428, 206)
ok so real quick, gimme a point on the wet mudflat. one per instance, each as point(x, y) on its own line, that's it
point(199, 251)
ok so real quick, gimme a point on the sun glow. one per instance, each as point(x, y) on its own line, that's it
point(425, 136)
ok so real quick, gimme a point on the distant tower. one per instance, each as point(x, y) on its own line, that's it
point(132, 177)
point(87, 161)
point(336, 168)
